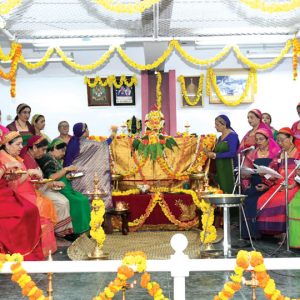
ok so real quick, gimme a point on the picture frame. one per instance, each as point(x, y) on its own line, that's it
point(232, 83)
point(191, 85)
point(124, 95)
point(98, 95)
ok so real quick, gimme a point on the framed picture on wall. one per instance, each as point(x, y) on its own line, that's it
point(231, 84)
point(98, 95)
point(125, 95)
point(191, 87)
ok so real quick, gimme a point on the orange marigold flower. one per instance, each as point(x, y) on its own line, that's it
point(242, 259)
point(154, 289)
point(16, 276)
point(145, 278)
point(227, 294)
point(15, 266)
point(256, 258)
point(28, 287)
point(126, 271)
point(235, 286)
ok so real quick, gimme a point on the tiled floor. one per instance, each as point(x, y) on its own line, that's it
point(199, 285)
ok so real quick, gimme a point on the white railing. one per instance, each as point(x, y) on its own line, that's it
point(179, 265)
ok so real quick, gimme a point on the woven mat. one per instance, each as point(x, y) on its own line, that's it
point(156, 244)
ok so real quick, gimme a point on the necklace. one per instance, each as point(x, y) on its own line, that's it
point(22, 127)
point(263, 153)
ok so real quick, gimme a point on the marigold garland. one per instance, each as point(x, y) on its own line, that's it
point(97, 218)
point(111, 80)
point(9, 5)
point(296, 54)
point(137, 259)
point(268, 7)
point(158, 90)
point(130, 8)
point(20, 276)
point(211, 81)
point(10, 55)
point(246, 61)
point(39, 64)
point(255, 262)
point(184, 92)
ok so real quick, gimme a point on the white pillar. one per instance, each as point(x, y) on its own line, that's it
point(179, 265)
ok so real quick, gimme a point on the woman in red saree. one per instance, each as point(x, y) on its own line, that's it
point(23, 188)
point(271, 216)
point(20, 228)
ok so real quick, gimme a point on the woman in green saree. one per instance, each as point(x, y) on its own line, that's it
point(52, 168)
point(225, 153)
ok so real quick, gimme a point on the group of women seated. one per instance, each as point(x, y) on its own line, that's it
point(34, 210)
point(265, 205)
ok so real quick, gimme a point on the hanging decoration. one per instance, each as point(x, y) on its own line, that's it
point(254, 262)
point(111, 80)
point(11, 75)
point(278, 7)
point(138, 260)
point(158, 90)
point(13, 48)
point(184, 92)
point(246, 61)
point(39, 64)
point(211, 82)
point(9, 5)
point(130, 8)
point(296, 54)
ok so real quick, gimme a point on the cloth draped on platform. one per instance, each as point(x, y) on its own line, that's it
point(61, 203)
point(79, 204)
point(272, 218)
point(24, 189)
point(20, 227)
point(91, 158)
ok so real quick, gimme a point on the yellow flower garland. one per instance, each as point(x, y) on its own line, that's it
point(89, 67)
point(126, 193)
point(154, 65)
point(268, 7)
point(203, 62)
point(97, 218)
point(9, 5)
point(184, 92)
point(266, 66)
point(211, 81)
point(296, 54)
point(131, 8)
point(244, 261)
point(13, 48)
point(39, 64)
point(158, 90)
point(111, 80)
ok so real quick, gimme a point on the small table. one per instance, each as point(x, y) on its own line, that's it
point(124, 217)
point(226, 201)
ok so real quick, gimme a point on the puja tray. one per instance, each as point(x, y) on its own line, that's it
point(224, 199)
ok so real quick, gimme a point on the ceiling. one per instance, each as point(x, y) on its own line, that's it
point(186, 20)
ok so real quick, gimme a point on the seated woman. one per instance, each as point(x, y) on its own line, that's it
point(267, 119)
point(266, 150)
point(20, 227)
point(225, 153)
point(52, 168)
point(91, 158)
point(21, 123)
point(38, 123)
point(271, 215)
point(255, 121)
point(23, 188)
point(36, 148)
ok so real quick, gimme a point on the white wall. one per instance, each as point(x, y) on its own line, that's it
point(60, 94)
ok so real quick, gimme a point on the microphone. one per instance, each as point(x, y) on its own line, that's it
point(248, 149)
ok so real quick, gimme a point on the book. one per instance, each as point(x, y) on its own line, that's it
point(263, 170)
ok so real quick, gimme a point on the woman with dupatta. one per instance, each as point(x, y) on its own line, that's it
point(255, 121)
point(271, 216)
point(20, 227)
point(225, 153)
point(266, 150)
point(90, 157)
point(52, 168)
point(36, 148)
point(23, 188)
point(21, 123)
